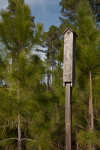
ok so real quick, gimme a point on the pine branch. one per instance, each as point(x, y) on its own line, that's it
point(15, 123)
point(43, 51)
point(25, 139)
point(9, 124)
point(8, 139)
point(79, 125)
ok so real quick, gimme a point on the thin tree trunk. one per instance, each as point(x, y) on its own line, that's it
point(91, 115)
point(39, 147)
point(19, 134)
point(13, 58)
point(57, 114)
point(48, 72)
point(48, 80)
point(19, 122)
point(77, 145)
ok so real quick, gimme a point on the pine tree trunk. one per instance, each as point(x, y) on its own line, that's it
point(48, 78)
point(48, 73)
point(19, 134)
point(39, 147)
point(19, 122)
point(91, 120)
point(77, 145)
point(57, 114)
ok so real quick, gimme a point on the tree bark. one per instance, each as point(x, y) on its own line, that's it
point(19, 134)
point(48, 81)
point(39, 147)
point(77, 145)
point(19, 122)
point(91, 114)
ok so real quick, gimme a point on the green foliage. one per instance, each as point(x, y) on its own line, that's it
point(69, 12)
point(53, 44)
point(87, 50)
point(87, 59)
point(85, 138)
point(24, 91)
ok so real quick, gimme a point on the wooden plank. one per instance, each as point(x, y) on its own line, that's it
point(69, 79)
point(68, 135)
point(68, 57)
point(68, 115)
point(67, 102)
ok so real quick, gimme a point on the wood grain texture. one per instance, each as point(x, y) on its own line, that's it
point(68, 116)
point(67, 102)
point(69, 57)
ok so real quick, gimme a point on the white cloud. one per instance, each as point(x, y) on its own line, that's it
point(41, 2)
point(33, 3)
point(3, 4)
point(46, 11)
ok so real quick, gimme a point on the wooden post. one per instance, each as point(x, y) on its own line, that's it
point(68, 116)
point(68, 80)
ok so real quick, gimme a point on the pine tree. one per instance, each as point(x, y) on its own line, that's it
point(68, 10)
point(87, 60)
point(52, 43)
point(18, 35)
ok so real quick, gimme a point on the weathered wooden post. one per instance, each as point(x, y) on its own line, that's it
point(69, 79)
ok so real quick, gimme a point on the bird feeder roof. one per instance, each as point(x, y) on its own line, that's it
point(71, 31)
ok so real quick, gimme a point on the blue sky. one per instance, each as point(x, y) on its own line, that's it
point(45, 11)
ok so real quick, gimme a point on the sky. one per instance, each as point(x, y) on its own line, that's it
point(45, 11)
